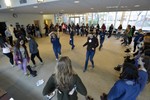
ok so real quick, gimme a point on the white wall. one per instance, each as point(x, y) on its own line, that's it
point(25, 19)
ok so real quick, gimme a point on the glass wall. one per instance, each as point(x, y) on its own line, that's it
point(140, 19)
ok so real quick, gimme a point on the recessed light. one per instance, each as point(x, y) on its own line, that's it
point(136, 5)
point(35, 6)
point(76, 1)
point(92, 8)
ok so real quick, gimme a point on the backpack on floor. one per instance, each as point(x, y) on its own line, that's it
point(32, 72)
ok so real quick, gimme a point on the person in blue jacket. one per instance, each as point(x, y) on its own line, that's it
point(92, 43)
point(71, 42)
point(56, 44)
point(131, 83)
point(102, 38)
point(138, 36)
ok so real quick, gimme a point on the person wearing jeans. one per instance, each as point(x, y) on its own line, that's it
point(33, 46)
point(71, 42)
point(92, 43)
point(56, 44)
point(21, 55)
point(102, 38)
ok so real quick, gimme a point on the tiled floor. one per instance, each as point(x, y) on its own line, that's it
point(97, 81)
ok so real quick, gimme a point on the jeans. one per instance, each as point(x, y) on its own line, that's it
point(89, 54)
point(101, 41)
point(72, 43)
point(33, 56)
point(10, 56)
point(23, 65)
point(57, 50)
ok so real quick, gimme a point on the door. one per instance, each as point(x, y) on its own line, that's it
point(2, 28)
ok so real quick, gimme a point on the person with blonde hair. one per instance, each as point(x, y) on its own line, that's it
point(65, 81)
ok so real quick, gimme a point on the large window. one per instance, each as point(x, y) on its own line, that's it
point(140, 19)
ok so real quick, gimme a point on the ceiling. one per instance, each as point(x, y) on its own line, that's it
point(84, 6)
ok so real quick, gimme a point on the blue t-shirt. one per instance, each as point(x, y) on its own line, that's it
point(128, 90)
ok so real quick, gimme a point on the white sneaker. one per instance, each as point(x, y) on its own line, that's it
point(12, 65)
point(42, 63)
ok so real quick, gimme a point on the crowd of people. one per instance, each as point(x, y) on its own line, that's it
point(133, 78)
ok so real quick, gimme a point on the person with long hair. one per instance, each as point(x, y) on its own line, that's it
point(21, 55)
point(119, 30)
point(7, 50)
point(56, 44)
point(33, 47)
point(65, 80)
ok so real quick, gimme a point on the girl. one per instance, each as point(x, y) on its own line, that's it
point(66, 81)
point(56, 44)
point(33, 46)
point(6, 48)
point(21, 55)
point(71, 42)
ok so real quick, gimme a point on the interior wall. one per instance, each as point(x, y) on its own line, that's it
point(25, 19)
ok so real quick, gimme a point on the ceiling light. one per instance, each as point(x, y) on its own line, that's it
point(35, 6)
point(92, 8)
point(136, 5)
point(8, 3)
point(76, 1)
point(40, 1)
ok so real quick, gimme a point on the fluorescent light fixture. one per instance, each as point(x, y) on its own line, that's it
point(35, 6)
point(39, 1)
point(108, 7)
point(136, 5)
point(76, 1)
point(124, 6)
point(8, 3)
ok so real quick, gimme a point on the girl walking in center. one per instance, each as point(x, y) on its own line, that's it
point(33, 46)
point(71, 42)
point(56, 44)
point(21, 55)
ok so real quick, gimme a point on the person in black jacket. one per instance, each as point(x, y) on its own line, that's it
point(92, 43)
